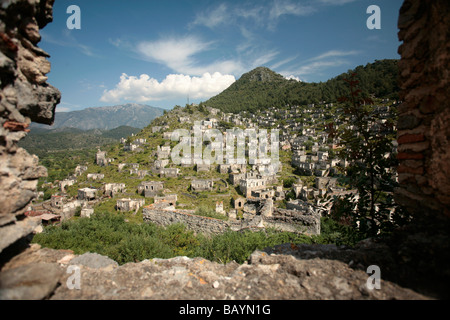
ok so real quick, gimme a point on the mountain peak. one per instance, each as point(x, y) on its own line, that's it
point(261, 88)
point(261, 74)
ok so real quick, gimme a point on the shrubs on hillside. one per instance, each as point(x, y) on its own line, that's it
point(108, 234)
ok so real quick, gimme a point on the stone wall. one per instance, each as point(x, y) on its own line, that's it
point(293, 221)
point(25, 96)
point(283, 220)
point(424, 117)
point(193, 222)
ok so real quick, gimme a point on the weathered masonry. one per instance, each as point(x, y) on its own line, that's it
point(129, 204)
point(424, 117)
point(150, 188)
point(283, 220)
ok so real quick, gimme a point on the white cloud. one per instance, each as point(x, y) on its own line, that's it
point(317, 66)
point(283, 62)
point(264, 58)
point(336, 2)
point(255, 13)
point(182, 55)
point(68, 40)
point(284, 7)
point(314, 65)
point(62, 109)
point(145, 88)
point(176, 53)
point(292, 77)
point(212, 18)
point(239, 14)
point(179, 54)
point(66, 107)
point(335, 53)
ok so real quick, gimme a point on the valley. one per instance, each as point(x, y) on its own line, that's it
point(286, 178)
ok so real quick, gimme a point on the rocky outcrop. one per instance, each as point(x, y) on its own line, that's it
point(424, 144)
point(266, 276)
point(25, 96)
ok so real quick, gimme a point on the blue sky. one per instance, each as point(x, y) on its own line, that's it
point(159, 52)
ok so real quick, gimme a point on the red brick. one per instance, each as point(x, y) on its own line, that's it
point(405, 169)
point(410, 138)
point(409, 156)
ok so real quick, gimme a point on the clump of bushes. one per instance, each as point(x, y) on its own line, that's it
point(210, 213)
point(108, 234)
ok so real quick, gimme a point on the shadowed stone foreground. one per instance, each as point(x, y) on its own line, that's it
point(40, 273)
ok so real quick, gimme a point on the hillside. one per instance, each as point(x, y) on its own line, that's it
point(262, 88)
point(122, 239)
point(41, 141)
point(131, 114)
point(209, 199)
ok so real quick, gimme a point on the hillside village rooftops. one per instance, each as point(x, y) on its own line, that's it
point(88, 190)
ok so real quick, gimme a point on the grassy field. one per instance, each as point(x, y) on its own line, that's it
point(125, 238)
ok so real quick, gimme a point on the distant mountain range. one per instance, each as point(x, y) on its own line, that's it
point(105, 118)
point(40, 141)
point(262, 88)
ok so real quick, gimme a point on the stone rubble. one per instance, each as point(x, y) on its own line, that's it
point(264, 277)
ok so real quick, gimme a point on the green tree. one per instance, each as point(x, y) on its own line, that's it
point(366, 143)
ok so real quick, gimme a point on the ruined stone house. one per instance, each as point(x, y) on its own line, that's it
point(300, 205)
point(95, 176)
point(111, 189)
point(126, 205)
point(58, 201)
point(251, 184)
point(202, 185)
point(163, 152)
point(130, 147)
point(187, 160)
point(66, 183)
point(280, 194)
point(224, 168)
point(160, 164)
point(150, 188)
point(169, 172)
point(170, 199)
point(239, 202)
point(101, 159)
point(142, 173)
point(263, 193)
point(325, 182)
point(219, 207)
point(140, 141)
point(87, 194)
point(235, 178)
point(79, 170)
point(86, 212)
point(203, 167)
